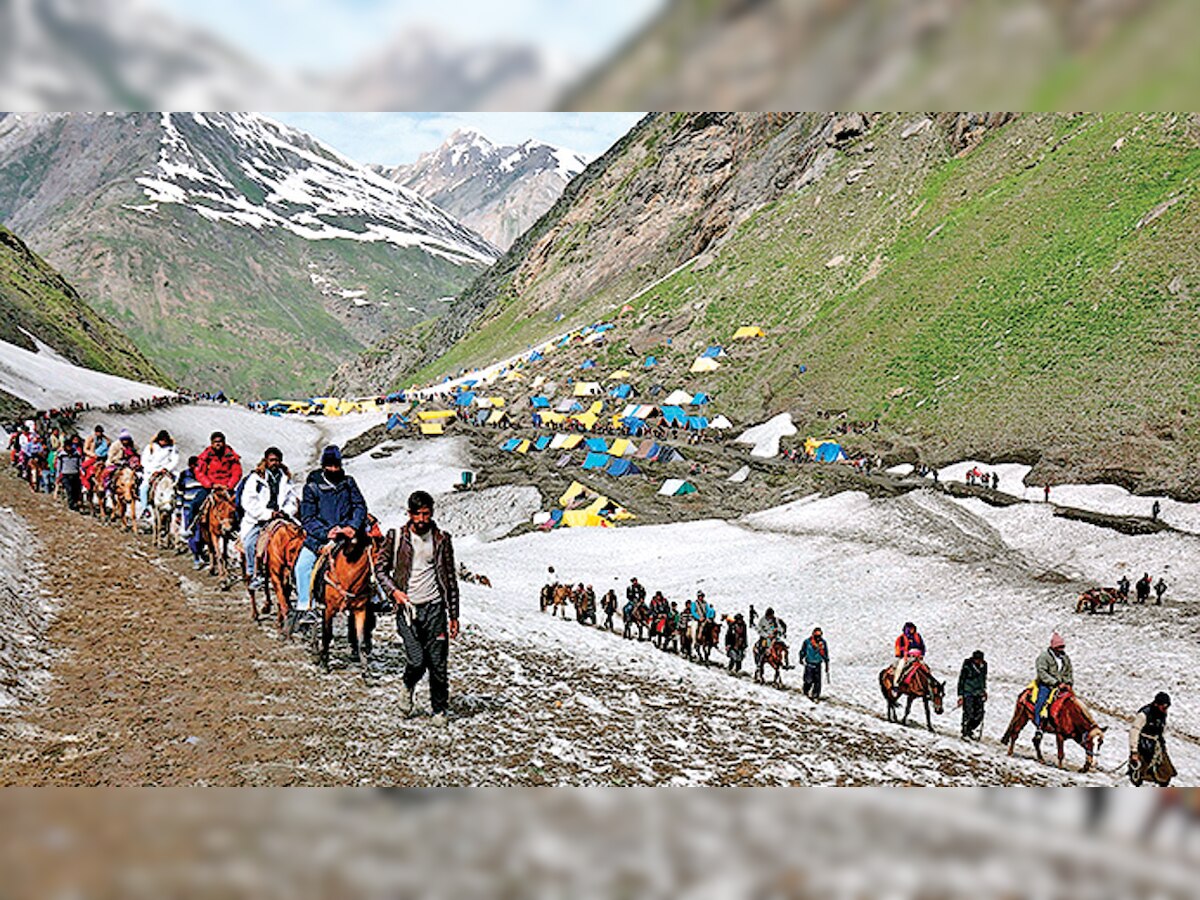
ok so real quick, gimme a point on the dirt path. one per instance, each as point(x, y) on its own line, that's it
point(160, 679)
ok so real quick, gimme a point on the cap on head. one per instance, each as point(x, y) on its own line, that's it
point(978, 654)
point(125, 435)
point(1162, 698)
point(1056, 642)
point(331, 456)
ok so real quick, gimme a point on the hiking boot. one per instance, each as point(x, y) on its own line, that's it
point(439, 720)
point(307, 617)
point(256, 584)
point(405, 700)
point(198, 563)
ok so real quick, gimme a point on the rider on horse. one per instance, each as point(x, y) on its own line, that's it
point(768, 630)
point(908, 649)
point(96, 445)
point(332, 507)
point(218, 466)
point(159, 455)
point(267, 494)
point(1053, 671)
point(124, 453)
point(1147, 743)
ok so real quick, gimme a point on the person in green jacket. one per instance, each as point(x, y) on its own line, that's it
point(972, 694)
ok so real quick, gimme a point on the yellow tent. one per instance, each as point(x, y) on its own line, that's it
point(430, 415)
point(620, 373)
point(552, 418)
point(705, 364)
point(587, 420)
point(586, 389)
point(432, 428)
point(523, 447)
point(572, 441)
point(581, 518)
point(572, 492)
point(620, 447)
point(748, 331)
point(496, 417)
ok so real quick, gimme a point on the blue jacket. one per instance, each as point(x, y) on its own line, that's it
point(325, 505)
point(814, 655)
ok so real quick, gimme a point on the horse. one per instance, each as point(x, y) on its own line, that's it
point(346, 581)
point(559, 600)
point(124, 498)
point(35, 465)
point(920, 683)
point(710, 635)
point(216, 520)
point(162, 506)
point(639, 617)
point(278, 548)
point(775, 657)
point(1158, 770)
point(1097, 598)
point(585, 608)
point(1064, 717)
point(662, 631)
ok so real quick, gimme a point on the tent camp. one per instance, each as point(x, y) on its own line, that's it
point(697, 423)
point(510, 445)
point(596, 445)
point(676, 487)
point(700, 400)
point(651, 362)
point(669, 455)
point(496, 417)
point(587, 389)
point(678, 398)
point(523, 447)
point(558, 441)
point(396, 421)
point(481, 417)
point(618, 375)
point(539, 402)
point(748, 331)
point(720, 423)
point(675, 416)
point(705, 364)
point(542, 442)
point(740, 475)
point(645, 449)
point(621, 391)
point(829, 452)
point(714, 351)
point(621, 447)
point(466, 398)
point(433, 428)
point(431, 415)
point(588, 364)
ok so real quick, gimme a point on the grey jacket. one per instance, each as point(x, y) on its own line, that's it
point(1051, 670)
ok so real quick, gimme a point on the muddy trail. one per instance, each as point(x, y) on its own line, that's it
point(160, 678)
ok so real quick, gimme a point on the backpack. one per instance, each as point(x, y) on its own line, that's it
point(237, 493)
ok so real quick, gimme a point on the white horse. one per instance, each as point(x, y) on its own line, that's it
point(162, 505)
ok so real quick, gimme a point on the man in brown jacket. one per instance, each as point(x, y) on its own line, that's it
point(424, 584)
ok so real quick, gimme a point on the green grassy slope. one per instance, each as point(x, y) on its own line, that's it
point(1038, 296)
point(36, 298)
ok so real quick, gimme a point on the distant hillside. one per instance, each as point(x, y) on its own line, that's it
point(36, 302)
point(499, 191)
point(982, 284)
point(210, 237)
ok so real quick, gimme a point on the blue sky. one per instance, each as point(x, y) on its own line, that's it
point(318, 35)
point(393, 137)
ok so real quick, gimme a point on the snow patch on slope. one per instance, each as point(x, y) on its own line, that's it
point(47, 379)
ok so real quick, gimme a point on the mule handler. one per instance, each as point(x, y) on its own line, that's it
point(424, 585)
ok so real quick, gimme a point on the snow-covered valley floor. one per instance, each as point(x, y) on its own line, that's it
point(542, 700)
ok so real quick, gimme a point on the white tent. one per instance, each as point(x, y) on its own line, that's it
point(678, 398)
point(720, 422)
point(740, 475)
point(704, 364)
point(587, 389)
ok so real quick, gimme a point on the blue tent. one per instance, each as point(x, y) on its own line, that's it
point(654, 451)
point(674, 415)
point(600, 329)
point(697, 423)
point(803, 369)
point(621, 467)
point(712, 352)
point(395, 420)
point(542, 443)
point(622, 391)
point(828, 452)
point(588, 364)
point(634, 426)
point(556, 516)
point(481, 417)
point(466, 398)
point(540, 402)
point(535, 357)
point(471, 382)
point(596, 445)
point(651, 362)
point(398, 396)
point(510, 445)
point(700, 400)
point(596, 460)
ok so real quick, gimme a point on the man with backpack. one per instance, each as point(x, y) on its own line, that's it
point(265, 494)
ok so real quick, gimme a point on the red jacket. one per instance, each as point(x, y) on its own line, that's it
point(219, 471)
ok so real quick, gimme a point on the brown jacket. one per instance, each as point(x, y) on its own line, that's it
point(443, 564)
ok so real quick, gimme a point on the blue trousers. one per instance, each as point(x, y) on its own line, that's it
point(1043, 694)
point(249, 544)
point(304, 570)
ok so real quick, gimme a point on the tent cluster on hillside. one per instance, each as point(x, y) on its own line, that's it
point(327, 406)
point(618, 458)
point(824, 450)
point(581, 507)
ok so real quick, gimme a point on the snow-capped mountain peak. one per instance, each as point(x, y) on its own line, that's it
point(248, 170)
point(499, 190)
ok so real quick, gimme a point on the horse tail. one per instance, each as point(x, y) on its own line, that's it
point(1010, 733)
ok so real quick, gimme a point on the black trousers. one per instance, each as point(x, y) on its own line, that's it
point(972, 713)
point(426, 648)
point(812, 680)
point(73, 488)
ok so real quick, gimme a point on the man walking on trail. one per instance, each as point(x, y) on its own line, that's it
point(1147, 741)
point(972, 694)
point(1155, 510)
point(1046, 493)
point(1143, 588)
point(609, 605)
point(736, 641)
point(1160, 588)
point(815, 653)
point(424, 585)
point(753, 615)
point(70, 461)
point(218, 466)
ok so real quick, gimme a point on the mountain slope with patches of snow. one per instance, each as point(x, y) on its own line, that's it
point(497, 190)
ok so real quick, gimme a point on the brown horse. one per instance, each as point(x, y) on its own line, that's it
point(775, 657)
point(278, 548)
point(920, 683)
point(639, 618)
point(559, 600)
point(1065, 717)
point(546, 596)
point(346, 582)
point(215, 521)
point(91, 479)
point(710, 635)
point(124, 498)
point(1098, 598)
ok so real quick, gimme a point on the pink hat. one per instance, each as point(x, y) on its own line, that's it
point(1056, 642)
